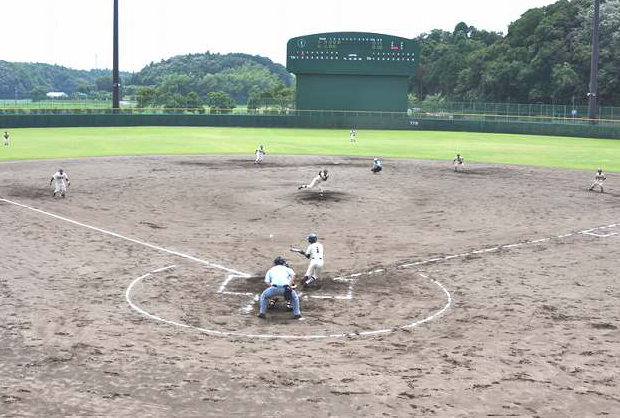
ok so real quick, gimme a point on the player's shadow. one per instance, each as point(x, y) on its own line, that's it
point(316, 197)
point(30, 192)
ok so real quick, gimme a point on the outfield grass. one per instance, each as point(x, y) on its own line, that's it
point(48, 143)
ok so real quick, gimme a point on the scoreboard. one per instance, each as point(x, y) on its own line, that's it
point(352, 71)
point(352, 53)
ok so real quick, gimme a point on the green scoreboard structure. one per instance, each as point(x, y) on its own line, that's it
point(352, 71)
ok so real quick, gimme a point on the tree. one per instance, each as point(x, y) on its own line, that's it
point(104, 83)
point(146, 97)
point(220, 100)
point(38, 93)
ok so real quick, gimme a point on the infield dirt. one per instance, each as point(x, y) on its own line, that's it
point(532, 331)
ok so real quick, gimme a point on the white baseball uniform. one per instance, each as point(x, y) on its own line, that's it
point(259, 156)
point(315, 251)
point(316, 182)
point(459, 161)
point(353, 135)
point(60, 183)
point(599, 179)
point(6, 138)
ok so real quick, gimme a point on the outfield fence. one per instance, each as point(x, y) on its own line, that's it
point(414, 119)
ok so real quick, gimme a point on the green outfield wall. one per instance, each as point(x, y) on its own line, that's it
point(324, 120)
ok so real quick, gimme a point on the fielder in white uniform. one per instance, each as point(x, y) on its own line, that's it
point(320, 178)
point(260, 153)
point(459, 162)
point(599, 179)
point(314, 252)
point(61, 181)
point(6, 138)
point(353, 135)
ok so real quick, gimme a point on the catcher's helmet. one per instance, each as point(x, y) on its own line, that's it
point(279, 261)
point(312, 238)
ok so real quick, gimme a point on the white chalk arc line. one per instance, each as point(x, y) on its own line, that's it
point(236, 334)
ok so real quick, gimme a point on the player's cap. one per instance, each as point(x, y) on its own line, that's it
point(376, 159)
point(600, 169)
point(279, 261)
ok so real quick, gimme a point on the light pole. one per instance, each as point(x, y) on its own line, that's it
point(593, 92)
point(115, 83)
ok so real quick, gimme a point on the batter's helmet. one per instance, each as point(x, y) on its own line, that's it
point(279, 261)
point(312, 238)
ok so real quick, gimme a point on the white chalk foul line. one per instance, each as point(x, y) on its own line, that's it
point(135, 241)
point(236, 334)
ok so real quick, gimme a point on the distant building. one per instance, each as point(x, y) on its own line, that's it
point(56, 95)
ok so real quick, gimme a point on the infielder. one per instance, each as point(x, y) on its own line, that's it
point(260, 153)
point(314, 252)
point(321, 177)
point(459, 162)
point(281, 282)
point(6, 138)
point(353, 135)
point(599, 179)
point(376, 166)
point(61, 182)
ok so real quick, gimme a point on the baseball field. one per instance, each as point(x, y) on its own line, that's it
point(491, 291)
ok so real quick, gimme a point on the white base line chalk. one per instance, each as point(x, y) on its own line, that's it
point(248, 307)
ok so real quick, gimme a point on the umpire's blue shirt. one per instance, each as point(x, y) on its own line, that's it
point(279, 276)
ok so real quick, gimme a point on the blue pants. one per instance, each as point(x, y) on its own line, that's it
point(277, 291)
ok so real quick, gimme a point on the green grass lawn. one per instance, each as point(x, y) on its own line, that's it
point(47, 143)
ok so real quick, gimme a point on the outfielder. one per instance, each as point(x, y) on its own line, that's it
point(599, 179)
point(459, 162)
point(61, 182)
point(376, 166)
point(6, 138)
point(321, 177)
point(260, 152)
point(314, 252)
point(353, 135)
point(281, 282)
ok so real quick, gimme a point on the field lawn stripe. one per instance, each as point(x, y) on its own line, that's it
point(135, 241)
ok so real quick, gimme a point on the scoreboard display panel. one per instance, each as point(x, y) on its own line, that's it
point(354, 53)
point(352, 71)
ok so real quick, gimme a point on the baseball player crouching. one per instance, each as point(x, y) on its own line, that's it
point(61, 181)
point(320, 178)
point(599, 179)
point(281, 281)
point(260, 153)
point(376, 166)
point(459, 162)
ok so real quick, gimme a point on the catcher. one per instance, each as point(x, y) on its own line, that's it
point(599, 179)
point(321, 177)
point(314, 252)
point(459, 162)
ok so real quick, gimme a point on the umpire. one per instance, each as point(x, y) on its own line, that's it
point(280, 279)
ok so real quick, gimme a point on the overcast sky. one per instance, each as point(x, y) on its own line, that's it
point(77, 33)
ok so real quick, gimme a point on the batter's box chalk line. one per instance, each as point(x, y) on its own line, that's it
point(254, 297)
point(602, 234)
point(237, 334)
point(232, 274)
